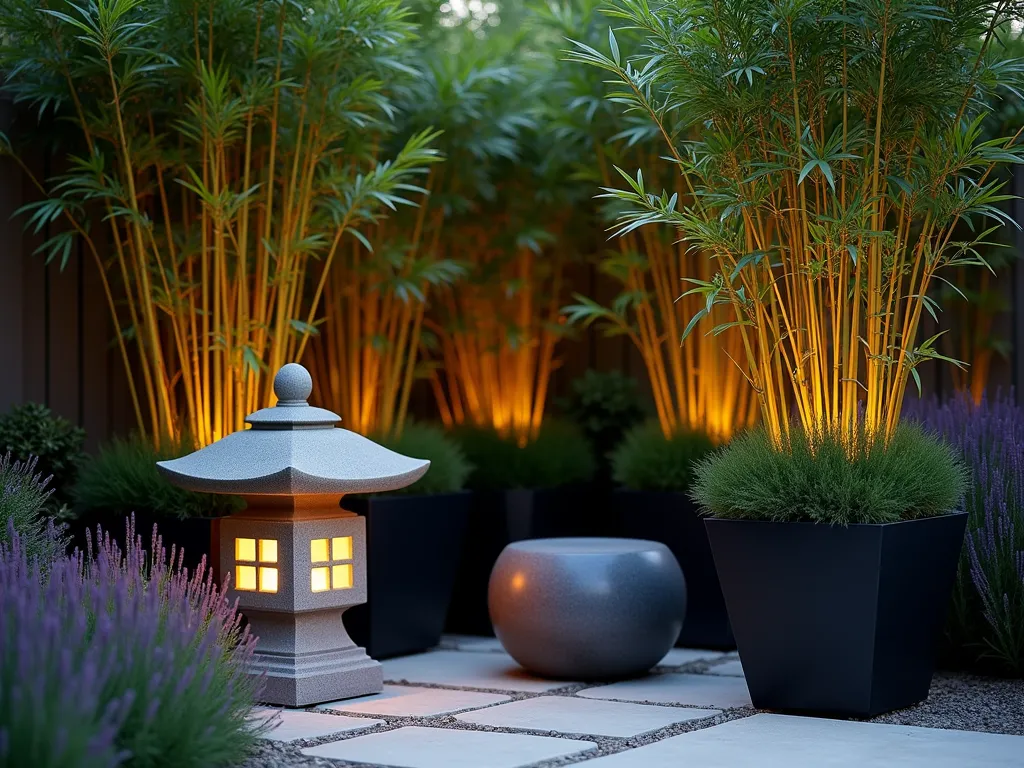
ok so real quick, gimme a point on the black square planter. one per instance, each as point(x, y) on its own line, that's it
point(498, 518)
point(837, 621)
point(672, 519)
point(413, 545)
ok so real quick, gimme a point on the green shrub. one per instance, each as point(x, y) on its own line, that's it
point(123, 478)
point(23, 502)
point(559, 456)
point(33, 430)
point(915, 475)
point(646, 461)
point(448, 466)
point(604, 405)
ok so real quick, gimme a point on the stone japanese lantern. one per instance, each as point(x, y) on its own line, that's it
point(297, 559)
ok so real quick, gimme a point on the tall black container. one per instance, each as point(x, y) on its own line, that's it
point(413, 545)
point(671, 518)
point(837, 621)
point(498, 518)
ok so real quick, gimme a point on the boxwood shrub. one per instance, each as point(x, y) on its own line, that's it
point(449, 468)
point(123, 478)
point(648, 461)
point(560, 455)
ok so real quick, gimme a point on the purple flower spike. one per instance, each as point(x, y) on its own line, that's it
point(118, 655)
point(987, 616)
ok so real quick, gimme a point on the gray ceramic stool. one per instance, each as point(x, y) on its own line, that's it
point(587, 609)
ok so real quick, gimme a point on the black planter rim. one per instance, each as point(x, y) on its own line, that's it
point(386, 495)
point(957, 513)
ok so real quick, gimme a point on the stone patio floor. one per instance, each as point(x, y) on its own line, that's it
point(468, 705)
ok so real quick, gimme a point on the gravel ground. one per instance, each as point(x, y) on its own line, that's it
point(967, 703)
point(278, 755)
point(957, 701)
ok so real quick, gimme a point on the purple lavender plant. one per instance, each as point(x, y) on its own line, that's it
point(55, 708)
point(987, 615)
point(23, 497)
point(114, 658)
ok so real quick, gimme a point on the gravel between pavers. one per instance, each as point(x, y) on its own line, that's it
point(967, 703)
point(957, 701)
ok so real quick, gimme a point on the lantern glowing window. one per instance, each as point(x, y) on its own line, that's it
point(245, 577)
point(338, 553)
point(318, 551)
point(341, 548)
point(253, 578)
point(268, 550)
point(321, 579)
point(245, 550)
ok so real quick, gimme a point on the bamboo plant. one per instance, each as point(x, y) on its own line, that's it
point(827, 151)
point(387, 301)
point(975, 305)
point(695, 386)
point(504, 213)
point(222, 158)
point(977, 300)
point(366, 358)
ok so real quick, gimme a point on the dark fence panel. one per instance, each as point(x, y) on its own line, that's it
point(55, 343)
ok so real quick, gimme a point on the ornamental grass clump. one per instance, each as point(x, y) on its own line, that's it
point(985, 631)
point(830, 155)
point(111, 658)
point(829, 479)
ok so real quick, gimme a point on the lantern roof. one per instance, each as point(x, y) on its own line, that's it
point(293, 448)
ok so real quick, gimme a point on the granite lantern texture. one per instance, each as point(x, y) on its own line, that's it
point(297, 560)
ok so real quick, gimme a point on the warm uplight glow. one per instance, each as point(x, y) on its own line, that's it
point(365, 358)
point(319, 551)
point(696, 384)
point(518, 582)
point(497, 348)
point(245, 550)
point(341, 576)
point(268, 579)
point(341, 548)
point(320, 579)
point(268, 550)
point(245, 578)
point(973, 336)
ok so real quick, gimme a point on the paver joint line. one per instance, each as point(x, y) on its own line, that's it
point(521, 713)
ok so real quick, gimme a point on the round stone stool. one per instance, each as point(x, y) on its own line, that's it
point(587, 609)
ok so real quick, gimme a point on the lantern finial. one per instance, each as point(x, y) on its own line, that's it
point(293, 385)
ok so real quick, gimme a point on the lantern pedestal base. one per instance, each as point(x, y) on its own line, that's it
point(308, 658)
point(317, 679)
